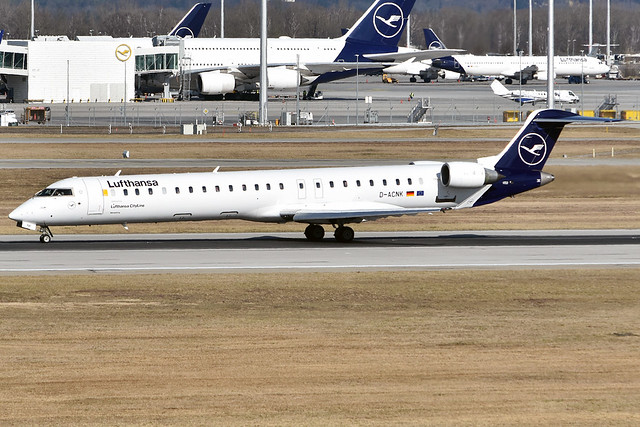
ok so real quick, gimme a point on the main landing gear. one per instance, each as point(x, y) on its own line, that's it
point(46, 235)
point(315, 233)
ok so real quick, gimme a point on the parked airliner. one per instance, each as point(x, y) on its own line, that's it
point(532, 96)
point(224, 65)
point(315, 196)
point(512, 68)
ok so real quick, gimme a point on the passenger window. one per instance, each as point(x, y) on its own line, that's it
point(384, 182)
point(317, 184)
point(371, 182)
point(358, 182)
point(231, 188)
point(217, 188)
point(164, 190)
point(204, 189)
point(177, 190)
point(125, 192)
point(409, 181)
point(344, 183)
point(397, 181)
point(137, 191)
point(301, 185)
point(257, 187)
point(190, 189)
point(281, 186)
point(150, 191)
point(268, 186)
point(331, 184)
point(244, 187)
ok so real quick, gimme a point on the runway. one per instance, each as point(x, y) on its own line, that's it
point(231, 252)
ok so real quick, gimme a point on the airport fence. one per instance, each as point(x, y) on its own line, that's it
point(392, 112)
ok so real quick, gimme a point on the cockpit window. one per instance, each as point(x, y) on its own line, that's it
point(51, 192)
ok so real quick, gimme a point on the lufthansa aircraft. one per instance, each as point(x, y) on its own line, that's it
point(225, 65)
point(317, 197)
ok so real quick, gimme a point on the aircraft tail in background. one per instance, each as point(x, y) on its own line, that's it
point(432, 40)
point(1, 35)
point(378, 30)
point(191, 23)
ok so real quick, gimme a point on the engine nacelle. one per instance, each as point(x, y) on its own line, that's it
point(215, 83)
point(282, 78)
point(467, 175)
point(543, 75)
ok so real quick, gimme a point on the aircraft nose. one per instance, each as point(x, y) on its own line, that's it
point(17, 213)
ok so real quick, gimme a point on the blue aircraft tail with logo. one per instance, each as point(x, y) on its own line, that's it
point(1, 35)
point(432, 41)
point(191, 23)
point(378, 30)
point(520, 164)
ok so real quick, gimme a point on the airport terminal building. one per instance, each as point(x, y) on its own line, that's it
point(54, 69)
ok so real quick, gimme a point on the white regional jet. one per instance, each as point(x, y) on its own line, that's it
point(225, 65)
point(533, 96)
point(319, 196)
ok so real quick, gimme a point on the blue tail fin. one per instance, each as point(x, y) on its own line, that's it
point(191, 23)
point(1, 35)
point(530, 148)
point(378, 30)
point(432, 41)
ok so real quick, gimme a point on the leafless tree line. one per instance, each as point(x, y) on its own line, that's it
point(488, 31)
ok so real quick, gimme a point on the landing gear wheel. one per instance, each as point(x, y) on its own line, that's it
point(344, 234)
point(46, 235)
point(508, 81)
point(314, 232)
point(412, 79)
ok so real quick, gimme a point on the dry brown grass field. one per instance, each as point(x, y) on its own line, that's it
point(504, 347)
point(522, 347)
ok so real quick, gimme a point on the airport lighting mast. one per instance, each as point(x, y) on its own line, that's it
point(263, 64)
point(550, 55)
point(33, 31)
point(530, 28)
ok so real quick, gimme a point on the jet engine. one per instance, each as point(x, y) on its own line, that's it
point(542, 75)
point(215, 83)
point(282, 78)
point(467, 175)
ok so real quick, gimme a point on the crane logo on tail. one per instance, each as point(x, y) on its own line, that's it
point(532, 149)
point(388, 20)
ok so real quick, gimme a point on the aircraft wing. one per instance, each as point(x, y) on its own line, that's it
point(326, 67)
point(527, 72)
point(418, 55)
point(252, 71)
point(369, 211)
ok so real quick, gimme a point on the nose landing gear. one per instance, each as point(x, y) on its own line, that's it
point(46, 235)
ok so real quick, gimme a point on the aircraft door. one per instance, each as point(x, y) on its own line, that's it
point(302, 191)
point(95, 196)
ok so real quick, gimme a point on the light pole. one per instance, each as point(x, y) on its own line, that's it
point(357, 80)
point(582, 83)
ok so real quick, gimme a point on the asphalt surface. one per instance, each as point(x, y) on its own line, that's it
point(24, 254)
